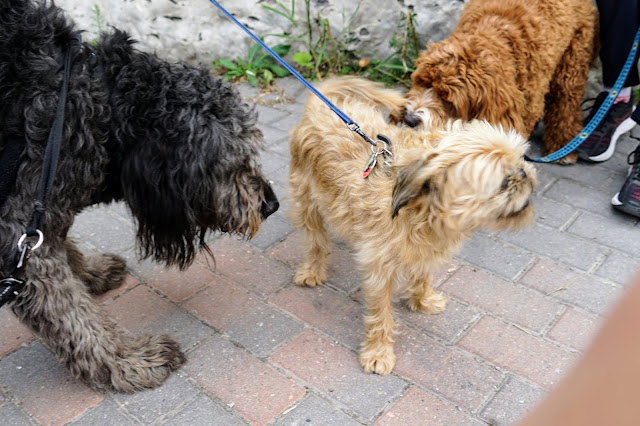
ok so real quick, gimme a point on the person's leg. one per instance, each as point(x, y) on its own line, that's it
point(619, 21)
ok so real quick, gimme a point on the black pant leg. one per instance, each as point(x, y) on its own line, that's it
point(619, 22)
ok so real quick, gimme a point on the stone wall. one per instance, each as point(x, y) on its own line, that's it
point(195, 31)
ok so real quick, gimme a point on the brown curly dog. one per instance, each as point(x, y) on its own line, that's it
point(510, 62)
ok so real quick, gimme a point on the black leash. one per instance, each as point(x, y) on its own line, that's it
point(11, 286)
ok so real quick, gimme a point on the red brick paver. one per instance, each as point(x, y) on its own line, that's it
point(256, 390)
point(575, 329)
point(327, 310)
point(455, 375)
point(248, 267)
point(13, 334)
point(515, 350)
point(418, 408)
point(178, 285)
point(337, 374)
point(502, 298)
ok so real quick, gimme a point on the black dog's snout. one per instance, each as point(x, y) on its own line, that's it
point(270, 205)
point(412, 119)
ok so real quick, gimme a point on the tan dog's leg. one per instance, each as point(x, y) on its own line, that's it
point(314, 269)
point(424, 299)
point(563, 116)
point(377, 354)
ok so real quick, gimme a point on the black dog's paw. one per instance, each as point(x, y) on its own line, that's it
point(145, 363)
point(104, 272)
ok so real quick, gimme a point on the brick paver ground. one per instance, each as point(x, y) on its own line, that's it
point(522, 310)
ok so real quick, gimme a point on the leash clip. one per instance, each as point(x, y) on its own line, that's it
point(373, 158)
point(9, 289)
point(25, 249)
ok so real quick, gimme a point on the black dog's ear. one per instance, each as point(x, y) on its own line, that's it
point(412, 180)
point(168, 230)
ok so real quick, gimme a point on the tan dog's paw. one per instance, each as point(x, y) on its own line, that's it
point(432, 304)
point(308, 276)
point(379, 360)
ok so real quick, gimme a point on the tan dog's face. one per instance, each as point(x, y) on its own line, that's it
point(475, 178)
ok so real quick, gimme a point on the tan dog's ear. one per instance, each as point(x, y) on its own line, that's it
point(412, 180)
point(396, 115)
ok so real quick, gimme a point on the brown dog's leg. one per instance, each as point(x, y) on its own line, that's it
point(377, 354)
point(56, 305)
point(99, 272)
point(563, 115)
point(424, 299)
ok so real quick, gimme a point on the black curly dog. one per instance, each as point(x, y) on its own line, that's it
point(175, 143)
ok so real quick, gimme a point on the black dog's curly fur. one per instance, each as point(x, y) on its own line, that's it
point(175, 143)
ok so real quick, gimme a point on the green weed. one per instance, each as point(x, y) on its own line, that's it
point(325, 51)
point(257, 66)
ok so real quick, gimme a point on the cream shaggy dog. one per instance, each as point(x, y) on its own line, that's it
point(406, 220)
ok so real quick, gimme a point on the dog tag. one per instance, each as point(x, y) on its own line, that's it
point(370, 164)
point(9, 289)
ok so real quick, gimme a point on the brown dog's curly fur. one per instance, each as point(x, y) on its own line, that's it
point(510, 62)
point(406, 220)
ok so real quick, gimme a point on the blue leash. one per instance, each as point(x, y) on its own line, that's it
point(352, 125)
point(599, 115)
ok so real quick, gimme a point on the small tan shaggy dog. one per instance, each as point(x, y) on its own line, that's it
point(510, 62)
point(406, 220)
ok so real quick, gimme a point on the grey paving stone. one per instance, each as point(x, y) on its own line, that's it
point(508, 262)
point(44, 387)
point(150, 405)
point(286, 124)
point(273, 134)
point(272, 162)
point(104, 231)
point(616, 232)
point(181, 326)
point(279, 175)
point(544, 180)
point(292, 86)
point(552, 213)
point(262, 329)
point(297, 107)
point(447, 325)
point(281, 147)
point(272, 231)
point(556, 245)
point(203, 411)
point(11, 415)
point(589, 174)
point(247, 91)
point(119, 209)
point(574, 288)
point(511, 403)
point(267, 115)
point(313, 410)
point(367, 394)
point(105, 414)
point(619, 268)
point(580, 196)
point(283, 198)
